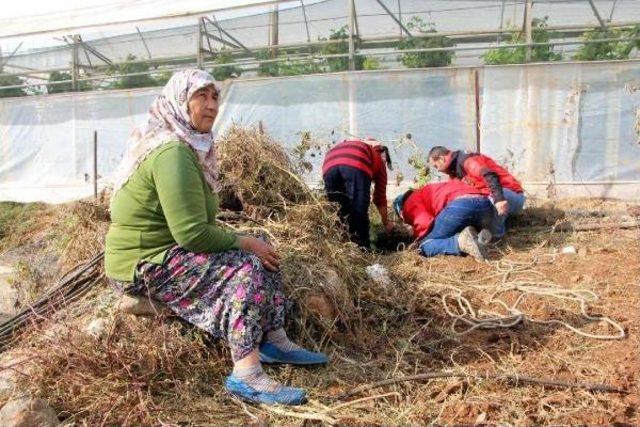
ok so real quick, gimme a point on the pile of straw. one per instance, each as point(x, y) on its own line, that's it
point(139, 371)
point(256, 169)
point(322, 271)
point(130, 375)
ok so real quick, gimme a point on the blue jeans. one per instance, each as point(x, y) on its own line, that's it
point(516, 203)
point(462, 212)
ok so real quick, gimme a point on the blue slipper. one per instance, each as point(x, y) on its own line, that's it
point(284, 396)
point(269, 353)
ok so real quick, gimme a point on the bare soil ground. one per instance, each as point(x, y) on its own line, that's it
point(402, 328)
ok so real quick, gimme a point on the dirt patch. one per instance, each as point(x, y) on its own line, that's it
point(157, 371)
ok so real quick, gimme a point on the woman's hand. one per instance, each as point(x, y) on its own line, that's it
point(263, 250)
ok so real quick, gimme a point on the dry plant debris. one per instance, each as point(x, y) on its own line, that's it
point(155, 371)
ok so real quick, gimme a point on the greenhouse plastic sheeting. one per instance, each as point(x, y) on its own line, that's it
point(407, 110)
point(46, 142)
point(565, 129)
point(180, 39)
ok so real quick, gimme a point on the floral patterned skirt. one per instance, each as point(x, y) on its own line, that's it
point(228, 294)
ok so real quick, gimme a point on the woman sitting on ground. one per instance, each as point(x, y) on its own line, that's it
point(164, 243)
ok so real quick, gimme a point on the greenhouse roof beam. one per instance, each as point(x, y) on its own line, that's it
point(203, 29)
point(306, 21)
point(386, 9)
point(597, 14)
point(94, 51)
point(218, 39)
point(144, 42)
point(5, 62)
point(236, 41)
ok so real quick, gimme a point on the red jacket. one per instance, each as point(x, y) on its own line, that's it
point(422, 206)
point(481, 172)
point(363, 156)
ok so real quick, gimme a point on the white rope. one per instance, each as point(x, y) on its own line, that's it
point(464, 313)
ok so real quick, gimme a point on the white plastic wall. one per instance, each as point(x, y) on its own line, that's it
point(564, 129)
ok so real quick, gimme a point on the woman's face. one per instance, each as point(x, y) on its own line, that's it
point(203, 109)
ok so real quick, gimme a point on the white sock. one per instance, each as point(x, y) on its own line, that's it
point(280, 339)
point(255, 377)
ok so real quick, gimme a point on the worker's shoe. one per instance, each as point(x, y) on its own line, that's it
point(485, 237)
point(269, 353)
point(282, 395)
point(468, 243)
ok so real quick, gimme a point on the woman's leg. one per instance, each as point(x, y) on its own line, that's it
point(225, 295)
point(276, 347)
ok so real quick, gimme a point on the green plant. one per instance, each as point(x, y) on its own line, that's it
point(270, 69)
point(59, 76)
point(425, 59)
point(341, 46)
point(226, 71)
point(11, 80)
point(298, 67)
point(294, 67)
point(286, 67)
point(309, 148)
point(518, 55)
point(371, 63)
point(163, 77)
point(131, 66)
point(596, 51)
point(418, 163)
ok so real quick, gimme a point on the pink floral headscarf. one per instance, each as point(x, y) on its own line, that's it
point(168, 121)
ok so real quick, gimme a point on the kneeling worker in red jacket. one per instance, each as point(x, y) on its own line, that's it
point(484, 174)
point(445, 217)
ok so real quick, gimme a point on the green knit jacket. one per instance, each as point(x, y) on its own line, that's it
point(165, 202)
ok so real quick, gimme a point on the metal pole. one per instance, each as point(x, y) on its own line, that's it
point(400, 16)
point(476, 84)
point(356, 30)
point(199, 59)
point(273, 33)
point(501, 20)
point(613, 8)
point(527, 28)
point(598, 17)
point(74, 64)
point(226, 33)
point(144, 42)
point(95, 164)
point(386, 9)
point(205, 34)
point(352, 48)
point(6, 61)
point(306, 21)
